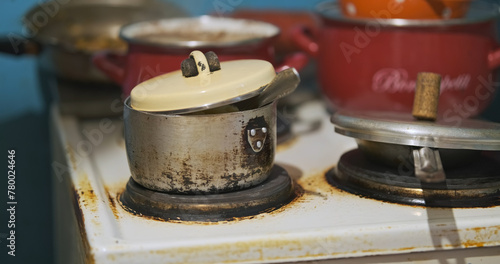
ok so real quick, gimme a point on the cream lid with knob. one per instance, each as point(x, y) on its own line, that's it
point(173, 92)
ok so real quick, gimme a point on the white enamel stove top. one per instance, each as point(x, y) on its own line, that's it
point(325, 224)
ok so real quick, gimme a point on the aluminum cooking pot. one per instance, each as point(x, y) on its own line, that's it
point(65, 34)
point(372, 64)
point(429, 148)
point(206, 153)
point(174, 147)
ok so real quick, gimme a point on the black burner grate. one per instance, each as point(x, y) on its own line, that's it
point(474, 185)
point(276, 191)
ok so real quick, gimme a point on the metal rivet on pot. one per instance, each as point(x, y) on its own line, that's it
point(264, 130)
point(253, 132)
point(259, 144)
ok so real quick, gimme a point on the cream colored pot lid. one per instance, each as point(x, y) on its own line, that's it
point(172, 92)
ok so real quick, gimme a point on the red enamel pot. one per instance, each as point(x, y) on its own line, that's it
point(159, 46)
point(372, 64)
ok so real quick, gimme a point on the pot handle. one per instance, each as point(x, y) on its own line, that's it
point(301, 36)
point(494, 59)
point(296, 60)
point(112, 64)
point(15, 46)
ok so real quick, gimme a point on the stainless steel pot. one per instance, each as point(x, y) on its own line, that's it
point(211, 153)
point(65, 34)
point(430, 147)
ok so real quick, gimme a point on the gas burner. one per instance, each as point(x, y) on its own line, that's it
point(473, 185)
point(390, 137)
point(271, 194)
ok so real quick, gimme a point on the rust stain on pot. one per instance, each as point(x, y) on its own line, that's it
point(186, 176)
point(229, 181)
point(208, 153)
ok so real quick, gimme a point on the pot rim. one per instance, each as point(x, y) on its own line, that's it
point(402, 129)
point(479, 12)
point(264, 30)
point(128, 107)
point(65, 43)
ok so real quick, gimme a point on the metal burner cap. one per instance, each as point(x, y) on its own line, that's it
point(403, 129)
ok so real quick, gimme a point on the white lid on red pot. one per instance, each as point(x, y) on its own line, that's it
point(172, 92)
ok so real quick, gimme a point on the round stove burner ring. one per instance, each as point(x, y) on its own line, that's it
point(271, 194)
point(475, 185)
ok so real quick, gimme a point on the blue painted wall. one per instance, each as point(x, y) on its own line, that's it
point(18, 81)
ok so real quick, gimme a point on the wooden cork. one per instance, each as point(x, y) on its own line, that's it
point(425, 104)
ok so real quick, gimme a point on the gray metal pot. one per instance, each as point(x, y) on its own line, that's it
point(209, 153)
point(65, 34)
point(397, 138)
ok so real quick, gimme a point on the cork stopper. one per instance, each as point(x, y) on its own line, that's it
point(425, 104)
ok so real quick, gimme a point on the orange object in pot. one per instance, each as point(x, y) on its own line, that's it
point(407, 9)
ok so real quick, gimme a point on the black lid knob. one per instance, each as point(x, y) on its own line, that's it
point(189, 69)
